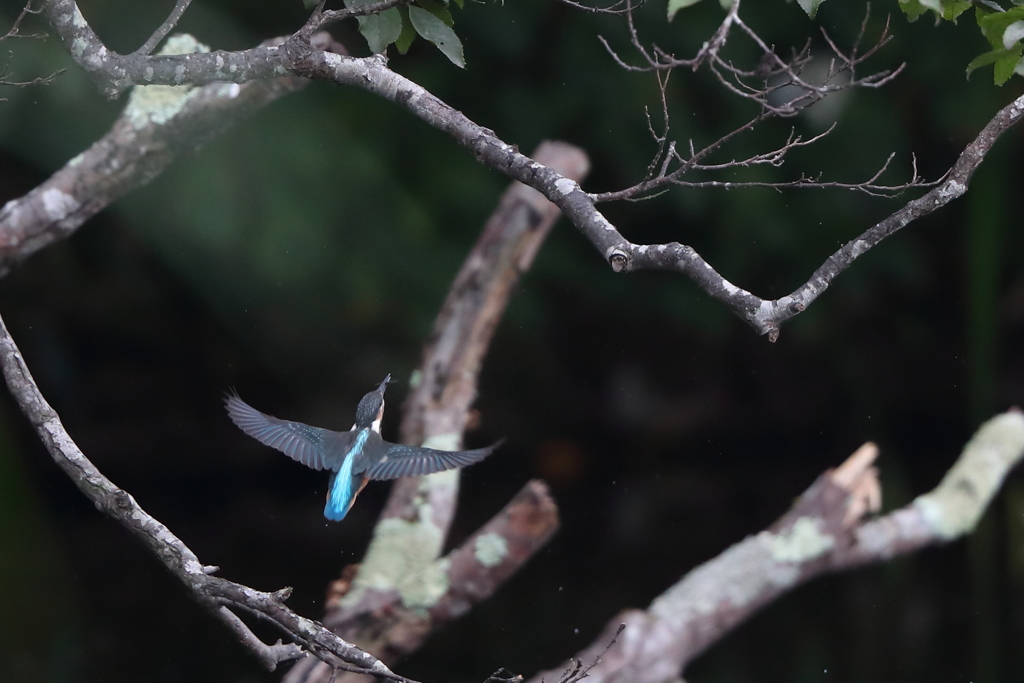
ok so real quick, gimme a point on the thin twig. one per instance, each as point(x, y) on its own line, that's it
point(169, 23)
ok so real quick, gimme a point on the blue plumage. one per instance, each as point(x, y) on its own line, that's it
point(353, 457)
point(341, 492)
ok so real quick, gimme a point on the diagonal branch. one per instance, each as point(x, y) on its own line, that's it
point(823, 532)
point(764, 315)
point(469, 574)
point(298, 57)
point(158, 125)
point(114, 73)
point(212, 592)
point(404, 589)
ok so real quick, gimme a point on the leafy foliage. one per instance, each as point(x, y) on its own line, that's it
point(429, 19)
point(810, 6)
point(676, 5)
point(434, 29)
point(1003, 28)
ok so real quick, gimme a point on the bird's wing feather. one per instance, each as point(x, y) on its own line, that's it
point(410, 461)
point(298, 441)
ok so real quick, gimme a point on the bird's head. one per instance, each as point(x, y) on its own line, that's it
point(371, 408)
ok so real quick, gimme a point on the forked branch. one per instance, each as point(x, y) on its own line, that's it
point(298, 57)
point(828, 529)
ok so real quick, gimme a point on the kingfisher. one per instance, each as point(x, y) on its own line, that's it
point(353, 457)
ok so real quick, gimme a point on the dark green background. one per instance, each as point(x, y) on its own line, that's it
point(303, 255)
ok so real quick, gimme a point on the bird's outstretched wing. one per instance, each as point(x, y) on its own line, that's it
point(298, 441)
point(410, 461)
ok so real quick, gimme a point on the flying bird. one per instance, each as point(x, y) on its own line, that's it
point(353, 457)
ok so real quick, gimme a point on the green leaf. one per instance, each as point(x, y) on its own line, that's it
point(913, 9)
point(434, 30)
point(380, 30)
point(438, 9)
point(408, 34)
point(1006, 66)
point(676, 5)
point(994, 24)
point(810, 6)
point(1005, 62)
point(954, 9)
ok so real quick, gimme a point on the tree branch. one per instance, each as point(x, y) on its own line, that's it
point(296, 56)
point(169, 23)
point(114, 73)
point(210, 591)
point(822, 532)
point(763, 315)
point(269, 655)
point(403, 590)
point(383, 623)
point(158, 125)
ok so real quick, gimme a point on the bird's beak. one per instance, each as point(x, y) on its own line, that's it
point(384, 385)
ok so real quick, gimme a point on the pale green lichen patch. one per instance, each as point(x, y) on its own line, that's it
point(802, 542)
point(954, 507)
point(158, 104)
point(78, 48)
point(738, 577)
point(401, 557)
point(77, 19)
point(490, 549)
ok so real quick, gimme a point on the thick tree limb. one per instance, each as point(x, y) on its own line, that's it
point(211, 592)
point(444, 386)
point(158, 125)
point(403, 590)
point(114, 73)
point(383, 622)
point(817, 535)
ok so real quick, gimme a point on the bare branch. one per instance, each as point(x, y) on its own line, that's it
point(386, 625)
point(823, 532)
point(372, 74)
point(169, 23)
point(269, 655)
point(210, 591)
point(770, 84)
point(154, 129)
point(113, 73)
point(616, 8)
point(764, 315)
point(15, 32)
point(577, 672)
point(420, 510)
point(323, 18)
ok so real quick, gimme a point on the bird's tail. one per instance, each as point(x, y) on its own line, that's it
point(340, 493)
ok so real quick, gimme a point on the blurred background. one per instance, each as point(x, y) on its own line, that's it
point(303, 255)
